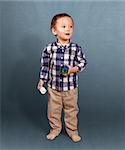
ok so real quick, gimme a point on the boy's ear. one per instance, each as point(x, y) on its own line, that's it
point(53, 31)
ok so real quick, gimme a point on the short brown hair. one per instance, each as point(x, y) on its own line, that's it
point(57, 16)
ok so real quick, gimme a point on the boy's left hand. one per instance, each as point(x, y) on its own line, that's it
point(71, 70)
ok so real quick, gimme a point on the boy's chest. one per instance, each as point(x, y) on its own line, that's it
point(63, 55)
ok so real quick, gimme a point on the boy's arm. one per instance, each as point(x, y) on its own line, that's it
point(81, 60)
point(44, 69)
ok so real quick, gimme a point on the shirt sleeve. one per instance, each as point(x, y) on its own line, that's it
point(81, 60)
point(44, 68)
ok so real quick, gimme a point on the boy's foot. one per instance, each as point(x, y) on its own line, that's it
point(75, 138)
point(51, 136)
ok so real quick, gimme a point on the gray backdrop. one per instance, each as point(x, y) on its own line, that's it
point(100, 30)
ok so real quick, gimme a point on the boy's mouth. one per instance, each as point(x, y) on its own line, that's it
point(67, 33)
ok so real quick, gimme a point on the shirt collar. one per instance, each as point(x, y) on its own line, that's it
point(60, 45)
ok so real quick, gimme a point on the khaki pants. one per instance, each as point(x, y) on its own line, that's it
point(68, 101)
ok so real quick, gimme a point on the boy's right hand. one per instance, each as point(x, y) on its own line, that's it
point(40, 84)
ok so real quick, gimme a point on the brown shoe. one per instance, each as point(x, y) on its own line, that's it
point(75, 138)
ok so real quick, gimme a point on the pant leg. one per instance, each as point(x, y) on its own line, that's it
point(54, 110)
point(70, 111)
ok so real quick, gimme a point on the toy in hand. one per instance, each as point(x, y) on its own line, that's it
point(43, 90)
point(64, 69)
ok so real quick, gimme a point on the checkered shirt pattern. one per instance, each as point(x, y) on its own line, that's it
point(56, 55)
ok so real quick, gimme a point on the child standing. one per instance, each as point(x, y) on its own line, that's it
point(62, 88)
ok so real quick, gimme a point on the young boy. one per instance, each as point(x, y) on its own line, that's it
point(62, 88)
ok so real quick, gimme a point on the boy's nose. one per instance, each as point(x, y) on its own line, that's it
point(68, 29)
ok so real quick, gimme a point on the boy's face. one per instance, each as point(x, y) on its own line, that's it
point(63, 29)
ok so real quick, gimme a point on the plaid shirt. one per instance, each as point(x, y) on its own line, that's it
point(53, 57)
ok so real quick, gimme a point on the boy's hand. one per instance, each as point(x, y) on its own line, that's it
point(71, 70)
point(40, 84)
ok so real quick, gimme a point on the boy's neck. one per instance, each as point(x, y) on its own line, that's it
point(63, 43)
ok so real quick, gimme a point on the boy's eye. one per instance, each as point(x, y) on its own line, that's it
point(64, 26)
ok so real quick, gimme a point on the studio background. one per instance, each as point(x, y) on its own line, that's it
point(100, 30)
